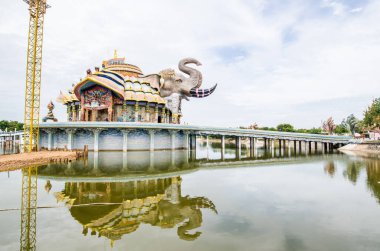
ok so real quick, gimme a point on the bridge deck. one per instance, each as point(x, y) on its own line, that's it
point(201, 130)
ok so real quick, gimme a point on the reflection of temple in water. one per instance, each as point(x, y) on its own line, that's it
point(113, 209)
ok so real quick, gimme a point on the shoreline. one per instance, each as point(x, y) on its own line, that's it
point(17, 161)
point(362, 149)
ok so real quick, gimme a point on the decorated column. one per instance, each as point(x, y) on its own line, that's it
point(137, 112)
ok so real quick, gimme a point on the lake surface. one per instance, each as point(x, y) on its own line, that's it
point(169, 201)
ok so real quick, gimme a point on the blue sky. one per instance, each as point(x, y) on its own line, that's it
point(275, 61)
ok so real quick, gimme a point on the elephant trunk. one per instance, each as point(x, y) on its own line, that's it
point(201, 93)
point(195, 75)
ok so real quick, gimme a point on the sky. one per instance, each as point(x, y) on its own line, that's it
point(275, 61)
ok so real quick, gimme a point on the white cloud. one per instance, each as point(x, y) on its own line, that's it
point(268, 58)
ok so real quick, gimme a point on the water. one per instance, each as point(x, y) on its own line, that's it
point(164, 201)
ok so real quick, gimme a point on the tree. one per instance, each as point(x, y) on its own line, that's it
point(372, 114)
point(285, 128)
point(11, 125)
point(352, 124)
point(329, 126)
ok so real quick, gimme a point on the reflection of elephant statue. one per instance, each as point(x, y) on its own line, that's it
point(187, 212)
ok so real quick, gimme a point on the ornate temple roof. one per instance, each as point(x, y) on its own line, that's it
point(118, 65)
point(124, 80)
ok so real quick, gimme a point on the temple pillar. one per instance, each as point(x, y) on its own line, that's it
point(163, 115)
point(124, 111)
point(155, 119)
point(137, 112)
point(151, 141)
point(172, 139)
point(68, 112)
point(74, 113)
point(96, 132)
point(70, 138)
point(50, 139)
point(86, 115)
point(125, 139)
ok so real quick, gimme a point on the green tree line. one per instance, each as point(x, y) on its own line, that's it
point(349, 125)
point(11, 125)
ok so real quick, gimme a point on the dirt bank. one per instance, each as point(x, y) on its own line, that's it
point(362, 149)
point(17, 161)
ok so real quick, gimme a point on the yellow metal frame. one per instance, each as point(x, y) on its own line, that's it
point(28, 209)
point(37, 9)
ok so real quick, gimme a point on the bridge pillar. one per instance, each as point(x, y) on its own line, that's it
point(187, 139)
point(193, 146)
point(265, 144)
point(300, 146)
point(238, 147)
point(223, 142)
point(207, 145)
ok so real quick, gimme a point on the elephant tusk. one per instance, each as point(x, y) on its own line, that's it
point(201, 93)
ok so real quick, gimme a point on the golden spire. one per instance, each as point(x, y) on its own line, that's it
point(115, 53)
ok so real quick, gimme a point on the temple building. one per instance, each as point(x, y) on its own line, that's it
point(119, 92)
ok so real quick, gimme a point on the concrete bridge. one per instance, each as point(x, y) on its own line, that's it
point(15, 136)
point(127, 136)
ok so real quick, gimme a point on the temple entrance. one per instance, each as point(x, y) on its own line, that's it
point(102, 115)
point(159, 119)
